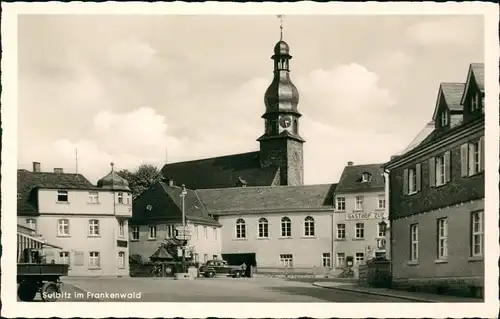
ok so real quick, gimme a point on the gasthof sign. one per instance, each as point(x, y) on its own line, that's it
point(362, 215)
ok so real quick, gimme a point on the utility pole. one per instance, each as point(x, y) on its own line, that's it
point(183, 206)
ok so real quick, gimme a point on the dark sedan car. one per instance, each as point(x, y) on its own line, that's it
point(214, 268)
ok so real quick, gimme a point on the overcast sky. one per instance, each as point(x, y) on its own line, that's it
point(127, 88)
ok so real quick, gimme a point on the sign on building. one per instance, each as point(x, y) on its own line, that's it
point(360, 216)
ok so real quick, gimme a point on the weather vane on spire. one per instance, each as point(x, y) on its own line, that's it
point(280, 16)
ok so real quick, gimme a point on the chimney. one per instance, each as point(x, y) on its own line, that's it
point(36, 167)
point(58, 170)
point(350, 163)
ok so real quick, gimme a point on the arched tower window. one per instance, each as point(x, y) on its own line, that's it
point(286, 227)
point(263, 228)
point(241, 231)
point(309, 226)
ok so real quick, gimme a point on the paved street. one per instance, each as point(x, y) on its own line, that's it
point(211, 290)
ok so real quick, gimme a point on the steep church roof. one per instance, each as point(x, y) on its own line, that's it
point(221, 172)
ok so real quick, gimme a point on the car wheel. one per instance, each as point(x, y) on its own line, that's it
point(210, 274)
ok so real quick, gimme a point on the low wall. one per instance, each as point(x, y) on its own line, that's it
point(463, 287)
point(306, 272)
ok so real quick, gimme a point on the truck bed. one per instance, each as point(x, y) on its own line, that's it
point(25, 269)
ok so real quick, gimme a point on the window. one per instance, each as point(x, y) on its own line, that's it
point(359, 203)
point(444, 118)
point(205, 232)
point(326, 260)
point(152, 232)
point(442, 238)
point(263, 228)
point(121, 259)
point(135, 233)
point(170, 230)
point(94, 260)
point(63, 227)
point(340, 231)
point(412, 179)
point(309, 226)
point(93, 197)
point(440, 178)
point(62, 196)
point(79, 258)
point(286, 260)
point(121, 228)
point(286, 227)
point(439, 169)
point(414, 242)
point(475, 102)
point(360, 258)
point(477, 236)
point(360, 231)
point(340, 260)
point(196, 230)
point(93, 227)
point(215, 232)
point(31, 223)
point(472, 157)
point(241, 231)
point(341, 203)
point(129, 198)
point(366, 177)
point(381, 201)
point(64, 257)
point(120, 198)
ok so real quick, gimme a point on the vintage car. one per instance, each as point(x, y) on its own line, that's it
point(214, 268)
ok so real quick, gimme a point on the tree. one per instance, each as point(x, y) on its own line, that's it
point(141, 179)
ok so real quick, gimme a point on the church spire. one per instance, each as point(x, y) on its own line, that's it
point(280, 16)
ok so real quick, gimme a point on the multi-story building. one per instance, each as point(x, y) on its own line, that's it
point(359, 214)
point(436, 198)
point(89, 223)
point(157, 214)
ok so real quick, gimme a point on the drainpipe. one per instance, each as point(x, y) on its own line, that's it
point(389, 224)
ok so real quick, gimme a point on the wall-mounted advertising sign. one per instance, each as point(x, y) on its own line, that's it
point(362, 215)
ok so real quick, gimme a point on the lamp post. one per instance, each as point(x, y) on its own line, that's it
point(183, 208)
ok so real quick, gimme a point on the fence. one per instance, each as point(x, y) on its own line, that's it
point(296, 272)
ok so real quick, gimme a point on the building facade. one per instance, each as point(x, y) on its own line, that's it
point(359, 211)
point(436, 202)
point(89, 223)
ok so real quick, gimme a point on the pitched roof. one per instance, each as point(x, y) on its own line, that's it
point(476, 71)
point(221, 172)
point(350, 180)
point(272, 198)
point(453, 94)
point(163, 202)
point(28, 181)
point(161, 253)
point(426, 131)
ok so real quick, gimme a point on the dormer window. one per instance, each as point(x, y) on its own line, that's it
point(475, 103)
point(445, 120)
point(366, 177)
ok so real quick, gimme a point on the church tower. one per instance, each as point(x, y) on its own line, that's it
point(281, 144)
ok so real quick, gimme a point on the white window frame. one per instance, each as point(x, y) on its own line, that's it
point(474, 158)
point(205, 232)
point(444, 118)
point(442, 244)
point(152, 232)
point(309, 227)
point(340, 260)
point(380, 231)
point(263, 228)
point(474, 105)
point(440, 170)
point(286, 260)
point(61, 195)
point(286, 227)
point(412, 180)
point(359, 203)
point(340, 203)
point(121, 260)
point(477, 233)
point(61, 223)
point(341, 230)
point(94, 230)
point(359, 229)
point(365, 177)
point(121, 228)
point(64, 259)
point(129, 198)
point(94, 259)
point(359, 261)
point(381, 202)
point(93, 197)
point(241, 229)
point(414, 242)
point(135, 231)
point(326, 260)
point(120, 197)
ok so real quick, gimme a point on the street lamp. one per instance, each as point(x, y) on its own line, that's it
point(383, 226)
point(183, 208)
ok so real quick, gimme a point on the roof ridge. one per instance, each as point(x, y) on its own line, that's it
point(210, 158)
point(265, 187)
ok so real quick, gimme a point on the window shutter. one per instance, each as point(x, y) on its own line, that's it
point(481, 153)
point(464, 156)
point(405, 182)
point(432, 172)
point(447, 167)
point(418, 172)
